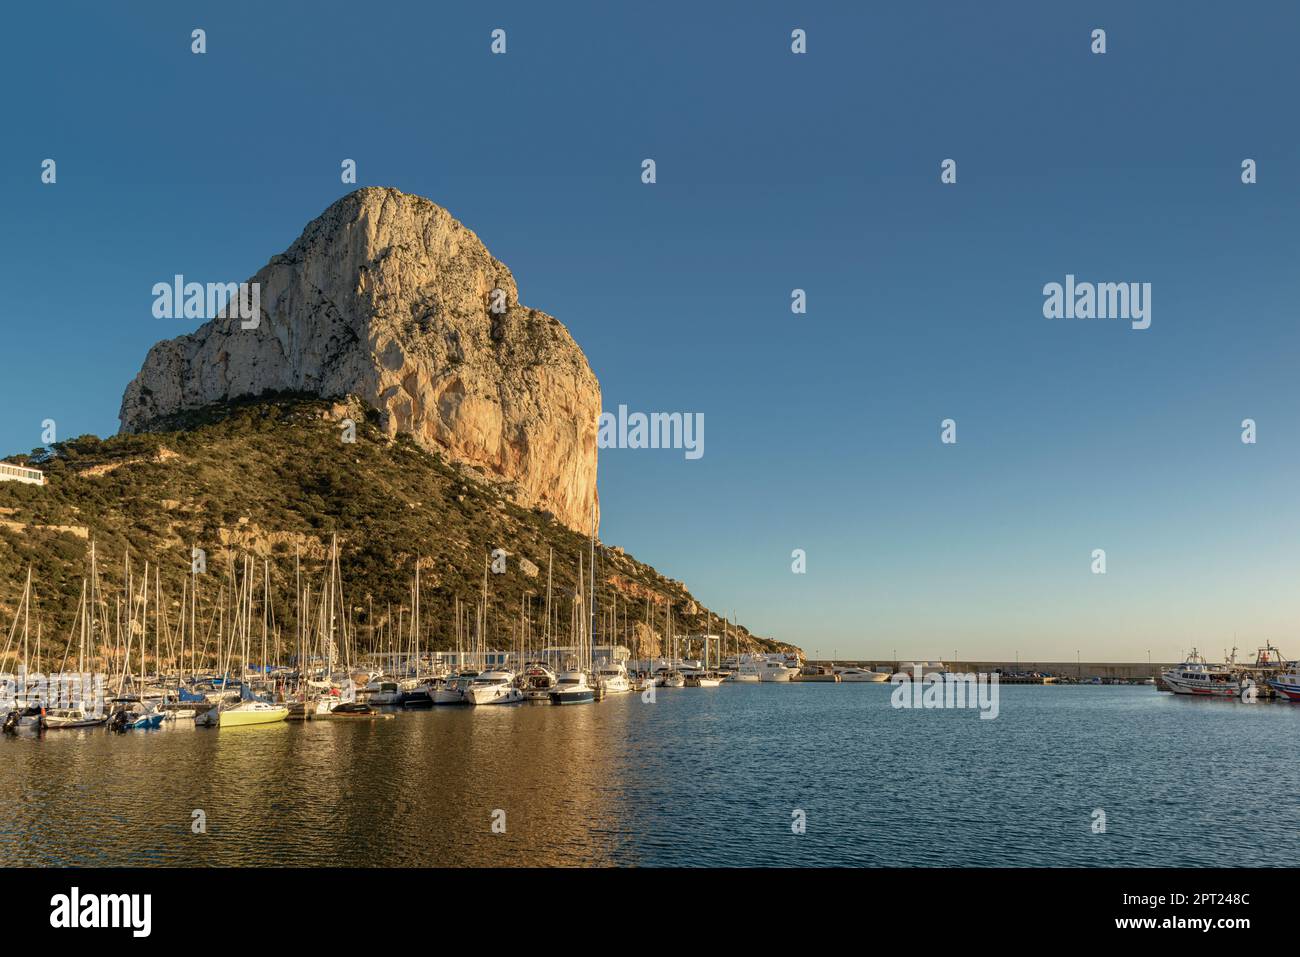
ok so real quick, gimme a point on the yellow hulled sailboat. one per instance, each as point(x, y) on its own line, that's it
point(252, 712)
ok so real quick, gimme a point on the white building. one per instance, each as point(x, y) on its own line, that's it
point(16, 473)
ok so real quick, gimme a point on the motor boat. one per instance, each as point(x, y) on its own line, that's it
point(30, 717)
point(612, 677)
point(572, 687)
point(493, 687)
point(419, 693)
point(453, 691)
point(385, 692)
point(537, 682)
point(772, 669)
point(131, 714)
point(853, 673)
point(354, 709)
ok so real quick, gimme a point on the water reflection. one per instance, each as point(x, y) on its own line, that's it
point(703, 776)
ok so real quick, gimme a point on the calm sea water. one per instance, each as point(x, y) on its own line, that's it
point(701, 777)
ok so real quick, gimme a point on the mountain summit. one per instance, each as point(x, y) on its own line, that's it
point(387, 297)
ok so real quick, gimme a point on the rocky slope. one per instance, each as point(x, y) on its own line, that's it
point(387, 297)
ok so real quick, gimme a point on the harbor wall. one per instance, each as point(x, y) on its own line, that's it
point(1124, 670)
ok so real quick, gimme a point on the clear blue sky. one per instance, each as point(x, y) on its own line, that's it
point(775, 171)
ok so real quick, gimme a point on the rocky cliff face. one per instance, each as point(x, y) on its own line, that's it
point(387, 297)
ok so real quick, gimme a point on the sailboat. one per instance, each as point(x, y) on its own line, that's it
point(28, 712)
point(73, 718)
point(252, 712)
point(670, 677)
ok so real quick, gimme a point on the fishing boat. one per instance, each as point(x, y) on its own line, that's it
point(73, 718)
point(1197, 677)
point(493, 687)
point(537, 682)
point(571, 687)
point(251, 712)
point(612, 677)
point(853, 673)
point(1287, 684)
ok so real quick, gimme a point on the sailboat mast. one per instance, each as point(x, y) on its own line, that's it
point(592, 590)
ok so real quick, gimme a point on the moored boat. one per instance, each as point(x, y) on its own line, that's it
point(817, 673)
point(1287, 684)
point(703, 679)
point(537, 682)
point(28, 718)
point(612, 678)
point(453, 691)
point(130, 714)
point(74, 718)
point(493, 687)
point(250, 713)
point(853, 673)
point(384, 692)
point(572, 687)
point(1197, 677)
point(773, 669)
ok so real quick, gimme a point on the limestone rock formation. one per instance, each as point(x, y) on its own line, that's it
point(387, 297)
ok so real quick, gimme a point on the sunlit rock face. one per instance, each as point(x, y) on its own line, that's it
point(387, 297)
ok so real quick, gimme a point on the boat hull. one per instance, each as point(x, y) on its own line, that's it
point(585, 696)
point(240, 719)
point(1288, 687)
point(493, 694)
point(56, 723)
point(1202, 690)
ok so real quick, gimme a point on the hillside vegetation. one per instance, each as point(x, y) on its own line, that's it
point(272, 478)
